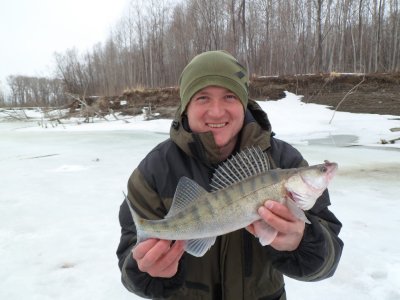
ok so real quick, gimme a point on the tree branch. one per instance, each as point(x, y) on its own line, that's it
point(345, 96)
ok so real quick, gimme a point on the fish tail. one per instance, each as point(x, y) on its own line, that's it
point(137, 220)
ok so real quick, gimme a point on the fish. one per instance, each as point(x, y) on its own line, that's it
point(239, 187)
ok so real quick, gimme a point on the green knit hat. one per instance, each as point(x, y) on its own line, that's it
point(217, 68)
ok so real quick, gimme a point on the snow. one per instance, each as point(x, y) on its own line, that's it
point(62, 186)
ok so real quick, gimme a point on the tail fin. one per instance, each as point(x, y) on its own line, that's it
point(137, 220)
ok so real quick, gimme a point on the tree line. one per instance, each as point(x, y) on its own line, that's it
point(34, 91)
point(154, 40)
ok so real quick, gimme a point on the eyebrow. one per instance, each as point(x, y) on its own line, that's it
point(206, 92)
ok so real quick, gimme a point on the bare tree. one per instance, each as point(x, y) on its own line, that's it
point(378, 16)
point(242, 13)
point(155, 40)
point(232, 34)
point(35, 91)
point(2, 95)
point(394, 29)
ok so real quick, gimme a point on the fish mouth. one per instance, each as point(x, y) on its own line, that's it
point(305, 198)
point(327, 171)
point(331, 168)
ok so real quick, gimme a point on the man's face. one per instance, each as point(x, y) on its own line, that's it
point(218, 110)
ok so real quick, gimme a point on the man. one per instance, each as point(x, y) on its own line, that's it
point(215, 120)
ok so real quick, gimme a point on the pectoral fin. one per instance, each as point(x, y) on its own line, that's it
point(265, 233)
point(200, 246)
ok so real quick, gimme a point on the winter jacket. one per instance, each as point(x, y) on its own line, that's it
point(236, 266)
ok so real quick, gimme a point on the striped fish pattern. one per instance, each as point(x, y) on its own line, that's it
point(240, 186)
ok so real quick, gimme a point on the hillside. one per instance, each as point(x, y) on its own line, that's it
point(372, 93)
point(377, 93)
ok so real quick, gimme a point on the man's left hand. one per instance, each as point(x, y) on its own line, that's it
point(290, 229)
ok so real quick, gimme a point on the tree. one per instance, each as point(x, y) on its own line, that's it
point(242, 12)
point(35, 91)
point(318, 33)
point(2, 95)
point(155, 40)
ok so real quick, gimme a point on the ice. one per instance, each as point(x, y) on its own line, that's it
point(61, 188)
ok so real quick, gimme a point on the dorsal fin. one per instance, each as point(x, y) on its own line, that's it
point(247, 163)
point(186, 192)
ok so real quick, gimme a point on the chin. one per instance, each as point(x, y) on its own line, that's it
point(222, 144)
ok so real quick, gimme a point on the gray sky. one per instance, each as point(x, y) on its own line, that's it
point(32, 30)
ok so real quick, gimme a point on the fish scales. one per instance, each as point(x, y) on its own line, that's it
point(198, 216)
point(210, 213)
point(201, 218)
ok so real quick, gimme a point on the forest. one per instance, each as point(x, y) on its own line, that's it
point(154, 40)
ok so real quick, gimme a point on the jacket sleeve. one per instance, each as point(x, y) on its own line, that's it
point(319, 252)
point(140, 283)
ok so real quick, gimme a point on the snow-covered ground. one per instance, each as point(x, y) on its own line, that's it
point(61, 188)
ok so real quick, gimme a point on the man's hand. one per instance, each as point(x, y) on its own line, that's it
point(278, 216)
point(158, 258)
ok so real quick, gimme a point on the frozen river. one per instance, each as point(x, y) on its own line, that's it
point(60, 196)
point(61, 188)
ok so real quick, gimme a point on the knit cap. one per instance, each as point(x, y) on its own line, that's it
point(217, 68)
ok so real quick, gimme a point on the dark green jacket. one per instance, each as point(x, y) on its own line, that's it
point(237, 266)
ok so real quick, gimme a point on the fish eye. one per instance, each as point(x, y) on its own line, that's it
point(324, 169)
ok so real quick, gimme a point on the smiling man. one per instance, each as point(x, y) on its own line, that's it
point(219, 111)
point(215, 120)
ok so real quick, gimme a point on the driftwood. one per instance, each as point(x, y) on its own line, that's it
point(15, 114)
point(353, 89)
point(392, 141)
point(88, 111)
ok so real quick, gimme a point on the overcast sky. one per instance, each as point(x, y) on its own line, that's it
point(32, 30)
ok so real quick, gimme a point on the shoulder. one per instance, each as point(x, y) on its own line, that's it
point(285, 155)
point(162, 158)
point(160, 152)
point(158, 161)
point(165, 164)
point(154, 175)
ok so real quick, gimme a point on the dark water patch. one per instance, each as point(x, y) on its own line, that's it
point(337, 140)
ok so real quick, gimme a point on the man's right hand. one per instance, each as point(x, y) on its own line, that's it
point(158, 258)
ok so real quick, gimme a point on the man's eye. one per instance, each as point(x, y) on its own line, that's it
point(231, 96)
point(201, 98)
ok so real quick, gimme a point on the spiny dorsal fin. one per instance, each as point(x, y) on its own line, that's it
point(187, 191)
point(247, 163)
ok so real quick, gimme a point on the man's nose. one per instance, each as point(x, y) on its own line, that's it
point(216, 109)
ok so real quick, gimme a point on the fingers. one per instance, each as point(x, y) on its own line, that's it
point(290, 229)
point(154, 252)
point(277, 215)
point(140, 250)
point(169, 262)
point(158, 258)
point(280, 210)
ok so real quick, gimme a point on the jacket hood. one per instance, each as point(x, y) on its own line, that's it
point(256, 132)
